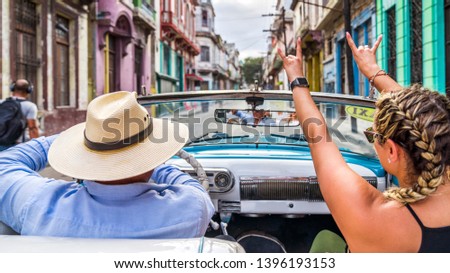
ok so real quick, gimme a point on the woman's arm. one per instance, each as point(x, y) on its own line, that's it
point(349, 197)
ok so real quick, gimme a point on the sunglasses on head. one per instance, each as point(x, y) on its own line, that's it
point(370, 135)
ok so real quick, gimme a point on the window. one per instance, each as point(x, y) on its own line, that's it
point(329, 87)
point(112, 63)
point(26, 62)
point(179, 9)
point(204, 85)
point(204, 54)
point(62, 91)
point(166, 5)
point(149, 4)
point(416, 41)
point(342, 63)
point(392, 43)
point(179, 72)
point(204, 18)
point(138, 55)
point(166, 60)
point(369, 33)
point(330, 46)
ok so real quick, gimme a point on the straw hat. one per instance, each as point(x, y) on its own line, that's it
point(118, 140)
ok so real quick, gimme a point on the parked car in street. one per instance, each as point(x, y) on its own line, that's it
point(250, 152)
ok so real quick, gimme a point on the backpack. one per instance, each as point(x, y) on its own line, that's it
point(12, 121)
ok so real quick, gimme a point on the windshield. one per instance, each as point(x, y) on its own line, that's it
point(346, 123)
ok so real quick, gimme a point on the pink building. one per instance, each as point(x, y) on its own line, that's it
point(124, 58)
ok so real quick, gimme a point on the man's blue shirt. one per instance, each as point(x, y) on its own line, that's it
point(171, 205)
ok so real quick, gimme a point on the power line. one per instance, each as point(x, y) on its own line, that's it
point(251, 38)
point(283, 26)
point(238, 19)
point(252, 44)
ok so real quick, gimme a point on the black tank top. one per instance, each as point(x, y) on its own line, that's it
point(434, 240)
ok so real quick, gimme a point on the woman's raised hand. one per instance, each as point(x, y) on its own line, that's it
point(293, 64)
point(364, 56)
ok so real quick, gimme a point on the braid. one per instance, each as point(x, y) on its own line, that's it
point(418, 120)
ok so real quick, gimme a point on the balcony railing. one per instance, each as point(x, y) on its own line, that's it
point(146, 15)
point(173, 29)
point(170, 19)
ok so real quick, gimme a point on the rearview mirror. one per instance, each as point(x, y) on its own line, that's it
point(258, 117)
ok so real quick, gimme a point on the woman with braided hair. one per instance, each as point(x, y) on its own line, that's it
point(411, 136)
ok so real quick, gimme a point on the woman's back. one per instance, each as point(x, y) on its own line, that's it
point(398, 227)
point(434, 221)
point(411, 136)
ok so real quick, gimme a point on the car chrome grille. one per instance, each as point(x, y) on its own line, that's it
point(287, 188)
point(229, 206)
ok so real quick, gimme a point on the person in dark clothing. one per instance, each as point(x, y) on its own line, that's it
point(411, 136)
point(20, 91)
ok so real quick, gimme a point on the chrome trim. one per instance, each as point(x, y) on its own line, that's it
point(254, 188)
point(212, 173)
point(242, 94)
point(229, 206)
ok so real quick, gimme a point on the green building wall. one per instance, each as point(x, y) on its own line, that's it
point(433, 41)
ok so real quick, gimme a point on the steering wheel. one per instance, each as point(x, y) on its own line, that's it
point(201, 175)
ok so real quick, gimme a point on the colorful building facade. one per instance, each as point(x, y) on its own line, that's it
point(177, 47)
point(124, 39)
point(208, 64)
point(416, 37)
point(415, 41)
point(45, 42)
point(282, 34)
point(331, 23)
point(73, 51)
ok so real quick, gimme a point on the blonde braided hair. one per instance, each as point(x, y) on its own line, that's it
point(417, 119)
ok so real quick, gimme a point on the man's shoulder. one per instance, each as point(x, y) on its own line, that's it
point(28, 104)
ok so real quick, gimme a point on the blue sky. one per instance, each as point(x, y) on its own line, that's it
point(241, 22)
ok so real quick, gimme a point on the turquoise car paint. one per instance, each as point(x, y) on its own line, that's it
point(274, 152)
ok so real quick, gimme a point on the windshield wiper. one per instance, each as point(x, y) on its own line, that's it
point(298, 137)
point(216, 136)
point(200, 138)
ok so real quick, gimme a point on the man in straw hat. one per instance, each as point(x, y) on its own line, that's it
point(124, 190)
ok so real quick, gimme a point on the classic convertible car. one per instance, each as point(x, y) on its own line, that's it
point(248, 149)
point(257, 164)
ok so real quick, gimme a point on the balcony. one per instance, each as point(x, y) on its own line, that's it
point(145, 17)
point(303, 28)
point(172, 30)
point(330, 14)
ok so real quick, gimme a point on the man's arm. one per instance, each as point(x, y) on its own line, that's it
point(20, 180)
point(167, 174)
point(25, 157)
point(32, 128)
point(170, 175)
point(32, 123)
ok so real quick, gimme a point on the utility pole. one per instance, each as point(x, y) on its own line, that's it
point(348, 59)
point(284, 27)
point(284, 31)
point(348, 51)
